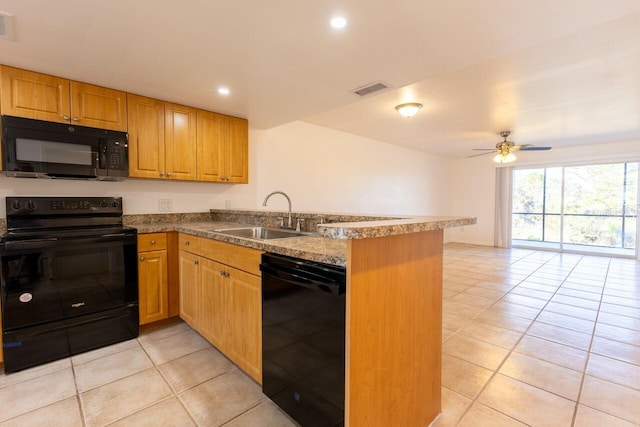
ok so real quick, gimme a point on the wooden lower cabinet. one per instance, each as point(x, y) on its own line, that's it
point(153, 277)
point(223, 303)
point(189, 288)
point(245, 316)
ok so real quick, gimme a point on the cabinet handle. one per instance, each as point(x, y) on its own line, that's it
point(75, 119)
point(168, 173)
point(186, 243)
point(141, 258)
point(221, 273)
point(196, 262)
point(153, 242)
point(66, 117)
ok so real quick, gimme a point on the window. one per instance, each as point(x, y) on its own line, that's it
point(583, 208)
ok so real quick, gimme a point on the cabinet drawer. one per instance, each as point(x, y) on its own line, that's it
point(152, 242)
point(189, 243)
point(240, 257)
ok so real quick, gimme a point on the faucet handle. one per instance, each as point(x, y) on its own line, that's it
point(298, 221)
point(281, 222)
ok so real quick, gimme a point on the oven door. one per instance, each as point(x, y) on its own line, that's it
point(51, 279)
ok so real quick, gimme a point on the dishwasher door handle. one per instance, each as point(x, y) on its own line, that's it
point(298, 280)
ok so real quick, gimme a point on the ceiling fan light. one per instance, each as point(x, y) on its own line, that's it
point(408, 109)
point(504, 158)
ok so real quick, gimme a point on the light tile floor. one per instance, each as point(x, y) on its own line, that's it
point(529, 338)
point(539, 338)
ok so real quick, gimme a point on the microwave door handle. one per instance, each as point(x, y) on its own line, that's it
point(102, 154)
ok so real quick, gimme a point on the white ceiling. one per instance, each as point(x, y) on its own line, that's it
point(555, 72)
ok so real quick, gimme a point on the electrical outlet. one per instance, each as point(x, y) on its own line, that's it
point(165, 205)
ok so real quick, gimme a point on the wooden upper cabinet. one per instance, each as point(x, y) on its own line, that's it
point(43, 97)
point(34, 95)
point(146, 137)
point(98, 107)
point(237, 150)
point(180, 141)
point(223, 153)
point(210, 146)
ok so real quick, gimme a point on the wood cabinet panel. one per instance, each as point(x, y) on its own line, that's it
point(245, 317)
point(180, 142)
point(146, 137)
point(189, 288)
point(240, 257)
point(34, 95)
point(189, 243)
point(152, 242)
point(210, 146)
point(236, 150)
point(152, 286)
point(98, 107)
point(214, 317)
point(413, 363)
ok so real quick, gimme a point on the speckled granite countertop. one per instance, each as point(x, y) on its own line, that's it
point(313, 248)
point(328, 246)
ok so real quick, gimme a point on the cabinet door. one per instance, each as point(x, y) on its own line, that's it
point(246, 320)
point(146, 137)
point(237, 150)
point(34, 95)
point(189, 288)
point(98, 107)
point(214, 310)
point(210, 146)
point(152, 286)
point(180, 141)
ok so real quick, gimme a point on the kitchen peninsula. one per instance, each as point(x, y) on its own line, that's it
point(394, 303)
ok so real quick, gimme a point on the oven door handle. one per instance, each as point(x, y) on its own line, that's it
point(50, 242)
point(30, 244)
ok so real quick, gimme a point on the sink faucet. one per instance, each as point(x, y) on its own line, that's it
point(288, 200)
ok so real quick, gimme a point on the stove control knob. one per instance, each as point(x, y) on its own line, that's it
point(30, 205)
point(16, 205)
point(114, 204)
point(104, 204)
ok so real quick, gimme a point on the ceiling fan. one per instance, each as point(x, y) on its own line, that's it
point(504, 149)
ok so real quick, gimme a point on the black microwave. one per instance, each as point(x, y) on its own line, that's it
point(39, 149)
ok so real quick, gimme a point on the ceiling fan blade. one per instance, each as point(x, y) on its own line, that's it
point(520, 147)
point(484, 149)
point(534, 148)
point(483, 154)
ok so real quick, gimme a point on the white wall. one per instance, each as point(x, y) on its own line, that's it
point(472, 182)
point(321, 169)
point(327, 170)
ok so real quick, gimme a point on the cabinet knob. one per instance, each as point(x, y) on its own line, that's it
point(141, 258)
point(186, 243)
point(75, 119)
point(153, 242)
point(66, 117)
point(196, 262)
point(161, 173)
point(168, 173)
point(221, 273)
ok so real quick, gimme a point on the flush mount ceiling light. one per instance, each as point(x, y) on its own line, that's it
point(338, 22)
point(408, 109)
point(224, 91)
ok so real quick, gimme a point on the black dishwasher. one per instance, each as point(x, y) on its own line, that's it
point(303, 338)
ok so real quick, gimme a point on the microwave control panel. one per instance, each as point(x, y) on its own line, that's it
point(117, 155)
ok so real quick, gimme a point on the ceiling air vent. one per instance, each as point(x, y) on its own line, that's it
point(6, 26)
point(366, 90)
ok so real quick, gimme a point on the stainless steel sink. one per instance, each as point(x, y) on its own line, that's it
point(260, 233)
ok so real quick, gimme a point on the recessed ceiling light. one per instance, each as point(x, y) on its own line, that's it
point(224, 91)
point(338, 22)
